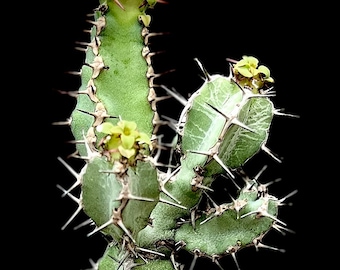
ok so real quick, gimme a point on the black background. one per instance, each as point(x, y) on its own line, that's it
point(211, 31)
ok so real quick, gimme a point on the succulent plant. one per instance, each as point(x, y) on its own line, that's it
point(153, 199)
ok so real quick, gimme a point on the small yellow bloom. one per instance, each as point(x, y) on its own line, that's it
point(123, 139)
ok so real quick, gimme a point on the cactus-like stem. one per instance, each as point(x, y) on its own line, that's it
point(149, 213)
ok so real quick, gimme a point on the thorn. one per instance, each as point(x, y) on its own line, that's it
point(175, 95)
point(94, 45)
point(217, 263)
point(162, 2)
point(234, 121)
point(219, 209)
point(63, 123)
point(207, 219)
point(179, 245)
point(270, 153)
point(272, 182)
point(172, 123)
point(100, 114)
point(205, 72)
point(119, 4)
point(151, 75)
point(148, 35)
point(78, 176)
point(219, 161)
point(281, 229)
point(83, 224)
point(116, 219)
point(231, 60)
point(157, 122)
point(90, 90)
point(122, 259)
point(193, 212)
point(125, 194)
point(97, 66)
point(100, 24)
point(158, 146)
point(264, 95)
point(173, 204)
point(80, 207)
point(97, 229)
point(147, 55)
point(150, 251)
point(153, 99)
point(76, 154)
point(163, 182)
point(197, 254)
point(90, 140)
point(258, 245)
point(73, 94)
point(232, 251)
point(173, 261)
point(287, 196)
point(263, 213)
point(122, 226)
point(238, 205)
point(257, 176)
point(234, 182)
point(77, 73)
point(277, 112)
point(263, 188)
point(94, 266)
point(268, 91)
point(80, 49)
point(233, 254)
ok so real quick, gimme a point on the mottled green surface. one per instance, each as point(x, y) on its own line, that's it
point(100, 192)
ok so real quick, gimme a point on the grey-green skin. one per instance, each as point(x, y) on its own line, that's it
point(186, 186)
point(139, 205)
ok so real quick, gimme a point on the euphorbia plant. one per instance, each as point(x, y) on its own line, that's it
point(150, 210)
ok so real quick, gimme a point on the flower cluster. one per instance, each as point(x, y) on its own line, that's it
point(123, 139)
point(250, 74)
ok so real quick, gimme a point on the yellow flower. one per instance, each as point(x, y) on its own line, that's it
point(124, 138)
point(249, 74)
point(247, 66)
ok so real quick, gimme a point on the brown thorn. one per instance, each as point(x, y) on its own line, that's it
point(119, 4)
point(100, 114)
point(100, 24)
